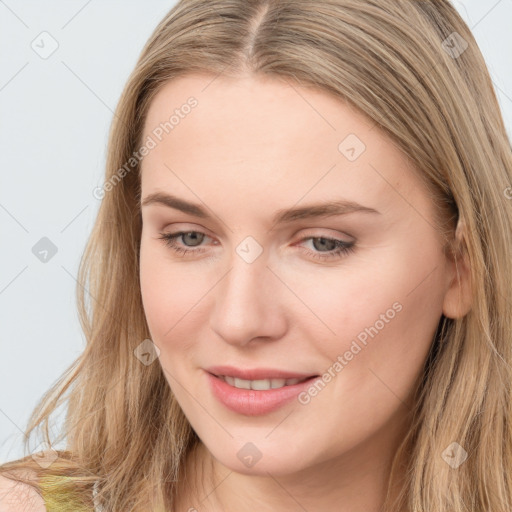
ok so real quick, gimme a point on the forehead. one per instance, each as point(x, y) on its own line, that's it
point(254, 108)
point(267, 135)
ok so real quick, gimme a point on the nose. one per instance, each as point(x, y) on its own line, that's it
point(249, 303)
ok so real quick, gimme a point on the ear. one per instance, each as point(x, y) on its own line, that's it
point(458, 296)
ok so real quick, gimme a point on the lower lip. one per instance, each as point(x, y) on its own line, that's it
point(253, 402)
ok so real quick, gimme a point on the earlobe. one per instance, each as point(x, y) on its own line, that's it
point(458, 297)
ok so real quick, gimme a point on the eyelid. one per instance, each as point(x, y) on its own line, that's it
point(185, 227)
point(331, 233)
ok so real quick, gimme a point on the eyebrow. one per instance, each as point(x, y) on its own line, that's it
point(311, 211)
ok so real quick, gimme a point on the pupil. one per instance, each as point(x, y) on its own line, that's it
point(194, 236)
point(321, 243)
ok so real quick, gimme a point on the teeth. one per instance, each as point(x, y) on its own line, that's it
point(242, 384)
point(260, 385)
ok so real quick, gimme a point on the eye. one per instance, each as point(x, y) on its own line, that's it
point(324, 248)
point(188, 236)
point(335, 248)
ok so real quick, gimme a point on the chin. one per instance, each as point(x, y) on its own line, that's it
point(251, 460)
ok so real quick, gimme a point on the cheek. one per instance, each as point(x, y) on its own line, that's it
point(381, 318)
point(169, 293)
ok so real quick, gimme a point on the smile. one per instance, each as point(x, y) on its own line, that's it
point(258, 396)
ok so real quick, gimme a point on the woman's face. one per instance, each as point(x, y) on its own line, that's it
point(282, 278)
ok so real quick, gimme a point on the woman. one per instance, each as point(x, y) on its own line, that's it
point(299, 273)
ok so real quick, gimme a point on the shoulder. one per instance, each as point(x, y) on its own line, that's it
point(18, 496)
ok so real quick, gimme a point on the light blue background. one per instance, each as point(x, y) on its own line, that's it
point(54, 119)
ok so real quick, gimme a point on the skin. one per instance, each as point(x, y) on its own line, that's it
point(251, 147)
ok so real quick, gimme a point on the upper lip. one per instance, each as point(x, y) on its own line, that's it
point(257, 373)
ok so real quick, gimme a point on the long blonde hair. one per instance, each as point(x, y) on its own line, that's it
point(415, 69)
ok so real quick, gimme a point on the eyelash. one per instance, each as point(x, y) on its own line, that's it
point(343, 247)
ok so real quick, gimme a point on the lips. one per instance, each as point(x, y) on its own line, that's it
point(257, 373)
point(251, 402)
